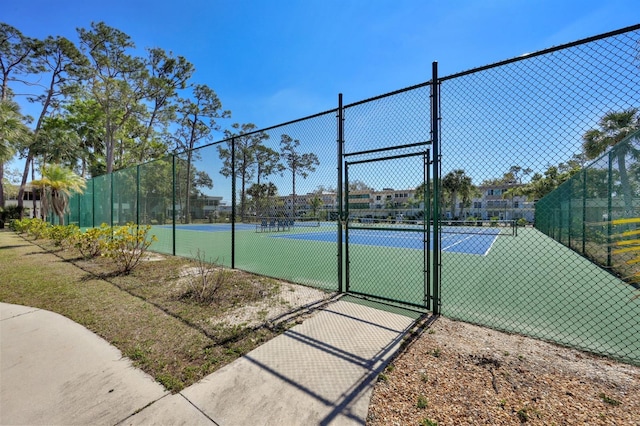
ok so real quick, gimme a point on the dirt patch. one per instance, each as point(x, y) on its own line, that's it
point(461, 374)
point(290, 298)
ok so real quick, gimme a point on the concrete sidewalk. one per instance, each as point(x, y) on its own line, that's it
point(54, 371)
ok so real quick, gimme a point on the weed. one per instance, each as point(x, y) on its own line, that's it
point(428, 422)
point(424, 377)
point(208, 279)
point(423, 402)
point(523, 414)
point(502, 403)
point(390, 368)
point(383, 378)
point(609, 400)
point(436, 352)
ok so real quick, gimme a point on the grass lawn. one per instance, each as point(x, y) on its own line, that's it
point(148, 314)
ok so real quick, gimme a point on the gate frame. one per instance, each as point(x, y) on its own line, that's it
point(426, 231)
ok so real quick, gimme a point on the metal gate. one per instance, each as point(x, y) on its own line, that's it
point(387, 240)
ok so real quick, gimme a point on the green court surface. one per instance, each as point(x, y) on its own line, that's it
point(527, 284)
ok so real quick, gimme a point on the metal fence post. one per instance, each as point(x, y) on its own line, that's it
point(138, 195)
point(584, 210)
point(609, 206)
point(173, 203)
point(339, 190)
point(435, 138)
point(233, 203)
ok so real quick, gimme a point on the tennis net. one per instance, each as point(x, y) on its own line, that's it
point(480, 227)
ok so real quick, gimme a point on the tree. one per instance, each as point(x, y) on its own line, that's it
point(298, 164)
point(168, 74)
point(16, 59)
point(12, 132)
point(117, 82)
point(315, 203)
point(247, 143)
point(261, 195)
point(613, 128)
point(267, 162)
point(457, 183)
point(57, 184)
point(64, 66)
point(197, 119)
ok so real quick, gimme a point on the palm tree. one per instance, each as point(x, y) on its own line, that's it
point(457, 183)
point(57, 184)
point(613, 128)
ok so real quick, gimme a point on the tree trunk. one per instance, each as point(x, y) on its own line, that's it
point(627, 195)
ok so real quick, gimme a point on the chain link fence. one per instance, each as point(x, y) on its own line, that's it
point(511, 133)
point(484, 205)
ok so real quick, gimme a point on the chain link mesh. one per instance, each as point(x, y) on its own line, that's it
point(267, 202)
point(517, 130)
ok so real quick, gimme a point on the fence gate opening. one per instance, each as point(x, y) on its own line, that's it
point(386, 240)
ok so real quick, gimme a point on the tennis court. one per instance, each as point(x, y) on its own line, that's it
point(455, 238)
point(482, 282)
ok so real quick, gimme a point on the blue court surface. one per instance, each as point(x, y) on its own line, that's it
point(478, 244)
point(212, 227)
point(452, 242)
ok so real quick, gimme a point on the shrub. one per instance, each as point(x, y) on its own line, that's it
point(208, 279)
point(92, 242)
point(522, 222)
point(61, 233)
point(19, 225)
point(37, 228)
point(127, 246)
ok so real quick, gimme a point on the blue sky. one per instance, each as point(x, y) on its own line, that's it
point(274, 61)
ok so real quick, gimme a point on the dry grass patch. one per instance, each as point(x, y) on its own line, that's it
point(148, 314)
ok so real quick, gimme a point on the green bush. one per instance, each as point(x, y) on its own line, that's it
point(522, 222)
point(127, 245)
point(36, 228)
point(62, 234)
point(92, 242)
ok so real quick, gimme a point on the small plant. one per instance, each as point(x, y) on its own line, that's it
point(390, 368)
point(436, 352)
point(61, 233)
point(92, 242)
point(428, 422)
point(424, 377)
point(423, 402)
point(209, 277)
point(128, 245)
point(502, 403)
point(36, 228)
point(523, 414)
point(383, 378)
point(609, 400)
